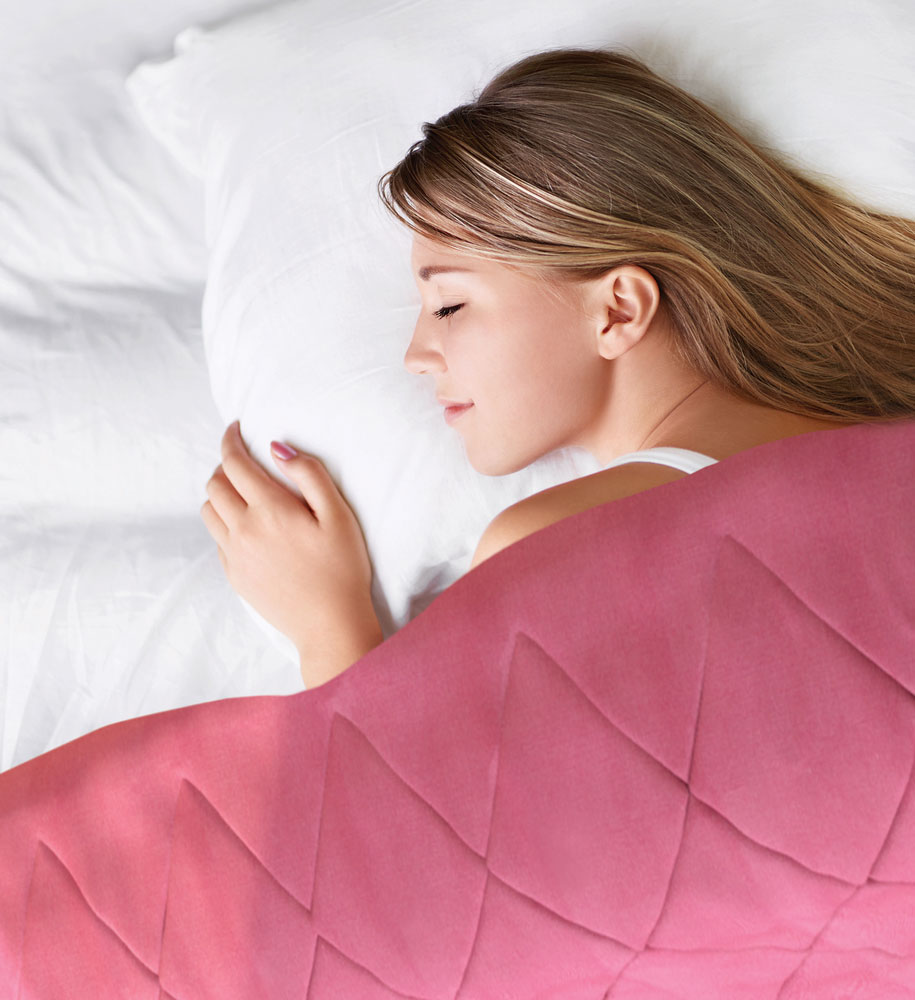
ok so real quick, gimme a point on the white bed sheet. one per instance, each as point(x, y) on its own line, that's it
point(114, 601)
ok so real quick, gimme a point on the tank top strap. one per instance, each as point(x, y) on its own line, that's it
point(678, 458)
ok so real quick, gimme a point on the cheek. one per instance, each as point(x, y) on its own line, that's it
point(548, 353)
point(524, 355)
point(477, 354)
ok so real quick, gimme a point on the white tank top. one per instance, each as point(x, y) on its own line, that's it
point(679, 458)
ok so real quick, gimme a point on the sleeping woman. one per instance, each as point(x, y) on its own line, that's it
point(603, 263)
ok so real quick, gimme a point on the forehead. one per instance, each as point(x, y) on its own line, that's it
point(429, 259)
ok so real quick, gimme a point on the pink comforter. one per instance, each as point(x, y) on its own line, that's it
point(661, 749)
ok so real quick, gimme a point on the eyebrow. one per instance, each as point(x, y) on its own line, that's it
point(426, 273)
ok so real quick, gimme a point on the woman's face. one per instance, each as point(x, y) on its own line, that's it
point(526, 359)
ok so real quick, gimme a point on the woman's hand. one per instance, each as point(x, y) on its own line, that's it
point(301, 563)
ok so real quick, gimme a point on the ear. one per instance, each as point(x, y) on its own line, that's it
point(627, 299)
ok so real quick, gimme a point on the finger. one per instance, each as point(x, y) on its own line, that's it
point(224, 499)
point(214, 524)
point(250, 480)
point(314, 481)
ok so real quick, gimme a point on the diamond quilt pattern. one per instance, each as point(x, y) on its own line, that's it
point(664, 748)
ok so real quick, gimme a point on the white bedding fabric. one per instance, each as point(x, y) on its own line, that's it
point(115, 604)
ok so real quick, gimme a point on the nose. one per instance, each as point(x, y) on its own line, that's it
point(422, 356)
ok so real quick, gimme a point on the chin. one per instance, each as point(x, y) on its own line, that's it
point(499, 465)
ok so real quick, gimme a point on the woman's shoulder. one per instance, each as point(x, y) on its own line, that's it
point(565, 499)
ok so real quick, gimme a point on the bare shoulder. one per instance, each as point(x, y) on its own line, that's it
point(557, 502)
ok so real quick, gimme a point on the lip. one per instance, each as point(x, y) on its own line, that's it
point(453, 412)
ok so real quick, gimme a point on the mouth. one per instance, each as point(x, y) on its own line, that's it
point(453, 412)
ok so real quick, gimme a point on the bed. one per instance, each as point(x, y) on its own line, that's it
point(190, 238)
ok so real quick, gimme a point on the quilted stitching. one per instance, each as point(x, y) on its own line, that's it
point(559, 805)
point(223, 906)
point(59, 922)
point(766, 734)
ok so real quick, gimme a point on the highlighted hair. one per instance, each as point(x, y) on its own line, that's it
point(572, 161)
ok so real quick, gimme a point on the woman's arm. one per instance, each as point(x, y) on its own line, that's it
point(321, 658)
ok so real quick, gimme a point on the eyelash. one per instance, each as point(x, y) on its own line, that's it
point(447, 311)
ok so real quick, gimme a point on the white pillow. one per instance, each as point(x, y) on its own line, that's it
point(291, 115)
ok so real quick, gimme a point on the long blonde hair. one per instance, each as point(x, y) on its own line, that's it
point(574, 161)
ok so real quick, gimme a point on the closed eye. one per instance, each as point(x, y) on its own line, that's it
point(447, 311)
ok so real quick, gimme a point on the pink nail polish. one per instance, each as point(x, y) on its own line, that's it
point(282, 450)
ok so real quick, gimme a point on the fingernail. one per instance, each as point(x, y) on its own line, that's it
point(282, 450)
